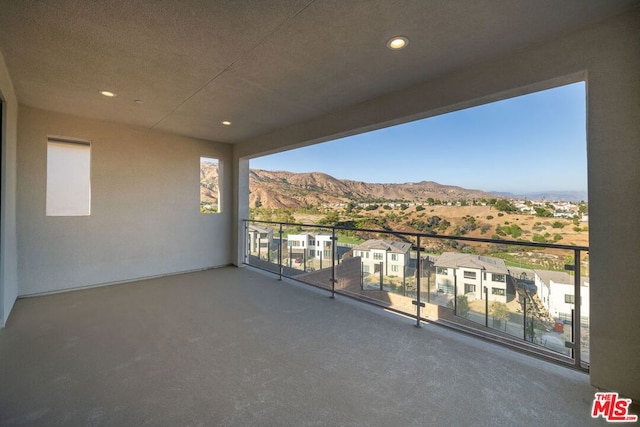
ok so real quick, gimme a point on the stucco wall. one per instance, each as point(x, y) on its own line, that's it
point(607, 57)
point(8, 227)
point(145, 218)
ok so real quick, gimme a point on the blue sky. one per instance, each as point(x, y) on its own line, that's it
point(535, 142)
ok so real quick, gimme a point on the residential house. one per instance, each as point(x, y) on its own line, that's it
point(389, 256)
point(307, 246)
point(471, 274)
point(259, 240)
point(556, 290)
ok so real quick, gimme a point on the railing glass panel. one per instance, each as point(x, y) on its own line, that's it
point(509, 289)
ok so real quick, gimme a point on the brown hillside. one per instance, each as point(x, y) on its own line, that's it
point(279, 189)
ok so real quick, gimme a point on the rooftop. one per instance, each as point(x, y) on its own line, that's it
point(457, 260)
point(385, 245)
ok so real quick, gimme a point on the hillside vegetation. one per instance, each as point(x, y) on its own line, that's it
point(426, 207)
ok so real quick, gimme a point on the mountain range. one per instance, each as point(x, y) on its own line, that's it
point(280, 189)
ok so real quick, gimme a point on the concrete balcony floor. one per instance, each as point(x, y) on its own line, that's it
point(235, 347)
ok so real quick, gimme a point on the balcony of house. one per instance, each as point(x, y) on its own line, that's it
point(501, 290)
point(235, 346)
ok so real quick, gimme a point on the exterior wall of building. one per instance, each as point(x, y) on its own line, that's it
point(558, 305)
point(471, 282)
point(323, 246)
point(8, 220)
point(372, 259)
point(260, 240)
point(542, 290)
point(145, 218)
point(445, 279)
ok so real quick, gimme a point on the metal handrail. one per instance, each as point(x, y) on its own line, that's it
point(574, 345)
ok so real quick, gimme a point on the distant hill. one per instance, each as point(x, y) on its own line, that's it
point(279, 189)
point(557, 196)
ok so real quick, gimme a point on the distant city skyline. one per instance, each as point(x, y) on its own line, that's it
point(531, 143)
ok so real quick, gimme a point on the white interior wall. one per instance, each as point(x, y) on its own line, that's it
point(8, 227)
point(607, 56)
point(145, 219)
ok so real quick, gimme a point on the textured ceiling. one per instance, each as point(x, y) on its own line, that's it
point(262, 64)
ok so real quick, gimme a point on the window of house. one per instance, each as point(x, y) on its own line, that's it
point(569, 299)
point(394, 257)
point(365, 268)
point(210, 172)
point(442, 270)
point(468, 287)
point(377, 256)
point(68, 177)
point(497, 291)
point(469, 274)
point(366, 255)
point(327, 253)
point(394, 268)
point(498, 277)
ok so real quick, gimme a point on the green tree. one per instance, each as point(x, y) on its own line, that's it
point(583, 208)
point(332, 218)
point(543, 212)
point(499, 311)
point(462, 305)
point(505, 206)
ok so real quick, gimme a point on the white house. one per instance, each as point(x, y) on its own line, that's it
point(471, 274)
point(556, 291)
point(388, 256)
point(259, 239)
point(309, 246)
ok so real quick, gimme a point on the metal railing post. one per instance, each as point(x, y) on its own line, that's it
point(455, 294)
point(524, 321)
point(486, 307)
point(577, 302)
point(333, 262)
point(246, 237)
point(280, 255)
point(418, 303)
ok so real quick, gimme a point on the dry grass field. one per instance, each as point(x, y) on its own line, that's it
point(483, 215)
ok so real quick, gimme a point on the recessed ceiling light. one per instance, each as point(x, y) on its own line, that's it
point(106, 93)
point(226, 123)
point(397, 42)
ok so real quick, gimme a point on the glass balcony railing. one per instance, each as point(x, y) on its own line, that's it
point(520, 293)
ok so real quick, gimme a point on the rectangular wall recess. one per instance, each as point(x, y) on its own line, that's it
point(68, 177)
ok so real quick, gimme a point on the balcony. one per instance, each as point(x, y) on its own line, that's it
point(517, 293)
point(234, 346)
